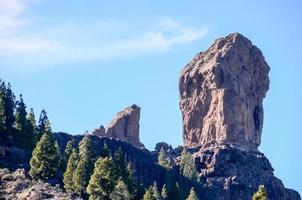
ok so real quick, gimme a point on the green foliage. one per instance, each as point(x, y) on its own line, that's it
point(2, 110)
point(43, 124)
point(192, 195)
point(148, 194)
point(164, 192)
point(120, 192)
point(9, 107)
point(163, 161)
point(32, 128)
point(103, 179)
point(260, 194)
point(21, 122)
point(108, 174)
point(152, 193)
point(187, 165)
point(67, 152)
point(85, 165)
point(70, 169)
point(24, 133)
point(45, 158)
point(124, 172)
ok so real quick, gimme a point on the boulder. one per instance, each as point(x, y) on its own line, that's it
point(221, 94)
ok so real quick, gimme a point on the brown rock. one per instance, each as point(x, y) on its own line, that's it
point(99, 131)
point(125, 126)
point(221, 94)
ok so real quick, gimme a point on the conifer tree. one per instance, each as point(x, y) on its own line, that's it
point(67, 152)
point(148, 194)
point(187, 165)
point(103, 179)
point(42, 124)
point(21, 122)
point(163, 161)
point(23, 136)
point(124, 172)
point(9, 106)
point(2, 110)
point(156, 194)
point(260, 194)
point(192, 195)
point(32, 128)
point(120, 192)
point(45, 157)
point(70, 169)
point(164, 192)
point(85, 165)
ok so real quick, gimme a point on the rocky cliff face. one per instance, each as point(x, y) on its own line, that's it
point(231, 173)
point(125, 126)
point(221, 94)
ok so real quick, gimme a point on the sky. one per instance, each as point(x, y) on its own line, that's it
point(83, 61)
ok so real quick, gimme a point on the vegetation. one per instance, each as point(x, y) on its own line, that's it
point(260, 194)
point(110, 177)
point(121, 192)
point(70, 169)
point(187, 165)
point(192, 195)
point(84, 167)
point(45, 157)
point(163, 160)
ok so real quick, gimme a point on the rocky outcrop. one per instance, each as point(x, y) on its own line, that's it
point(231, 173)
point(125, 126)
point(100, 132)
point(221, 94)
point(18, 185)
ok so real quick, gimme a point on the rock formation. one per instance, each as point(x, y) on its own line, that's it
point(221, 94)
point(230, 173)
point(99, 131)
point(125, 126)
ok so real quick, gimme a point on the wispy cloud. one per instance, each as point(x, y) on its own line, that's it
point(38, 46)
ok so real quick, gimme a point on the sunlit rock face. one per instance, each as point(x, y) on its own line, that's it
point(221, 94)
point(125, 126)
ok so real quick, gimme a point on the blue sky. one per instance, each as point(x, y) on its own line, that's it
point(85, 61)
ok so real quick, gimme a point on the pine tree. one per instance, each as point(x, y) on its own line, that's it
point(187, 165)
point(163, 161)
point(45, 157)
point(192, 195)
point(164, 193)
point(9, 106)
point(149, 194)
point(67, 152)
point(21, 122)
point(32, 128)
point(260, 194)
point(124, 172)
point(103, 179)
point(155, 193)
point(120, 192)
point(2, 110)
point(42, 124)
point(23, 135)
point(70, 169)
point(85, 165)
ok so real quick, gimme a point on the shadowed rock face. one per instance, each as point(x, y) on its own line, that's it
point(221, 94)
